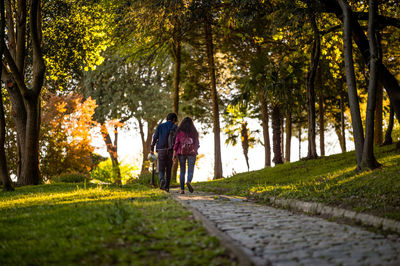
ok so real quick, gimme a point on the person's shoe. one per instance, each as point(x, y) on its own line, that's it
point(189, 187)
point(162, 184)
point(182, 192)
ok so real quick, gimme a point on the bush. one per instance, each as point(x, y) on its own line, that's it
point(73, 177)
point(104, 172)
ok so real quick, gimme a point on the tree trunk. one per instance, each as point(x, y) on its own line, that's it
point(378, 134)
point(25, 101)
point(299, 141)
point(342, 124)
point(265, 122)
point(321, 119)
point(4, 174)
point(276, 135)
point(368, 159)
point(5, 179)
point(177, 78)
point(315, 56)
point(112, 149)
point(30, 173)
point(351, 82)
point(245, 143)
point(18, 113)
point(388, 135)
point(146, 143)
point(214, 98)
point(282, 137)
point(288, 128)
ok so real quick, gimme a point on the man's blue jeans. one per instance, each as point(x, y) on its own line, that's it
point(191, 159)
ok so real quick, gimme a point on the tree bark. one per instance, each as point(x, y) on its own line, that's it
point(18, 114)
point(265, 122)
point(351, 82)
point(378, 133)
point(214, 98)
point(245, 143)
point(321, 113)
point(388, 135)
point(288, 131)
point(282, 137)
point(299, 141)
point(315, 55)
point(177, 78)
point(146, 142)
point(342, 123)
point(5, 179)
point(276, 135)
point(30, 173)
point(368, 159)
point(112, 149)
point(378, 127)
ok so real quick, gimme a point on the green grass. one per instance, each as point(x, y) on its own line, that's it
point(331, 180)
point(72, 224)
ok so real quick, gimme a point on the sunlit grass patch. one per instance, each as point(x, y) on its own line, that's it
point(331, 180)
point(70, 224)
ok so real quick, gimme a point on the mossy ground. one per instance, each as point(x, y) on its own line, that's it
point(77, 224)
point(331, 180)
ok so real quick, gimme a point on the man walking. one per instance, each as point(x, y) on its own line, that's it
point(164, 137)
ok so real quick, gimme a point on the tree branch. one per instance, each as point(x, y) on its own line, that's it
point(383, 21)
point(21, 36)
point(10, 27)
point(38, 62)
point(18, 78)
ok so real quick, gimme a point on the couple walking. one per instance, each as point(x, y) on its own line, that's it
point(174, 142)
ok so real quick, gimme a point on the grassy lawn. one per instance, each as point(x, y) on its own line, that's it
point(69, 224)
point(331, 180)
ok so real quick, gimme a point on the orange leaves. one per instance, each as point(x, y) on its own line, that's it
point(66, 133)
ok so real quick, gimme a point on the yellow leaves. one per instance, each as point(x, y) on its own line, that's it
point(115, 123)
point(258, 40)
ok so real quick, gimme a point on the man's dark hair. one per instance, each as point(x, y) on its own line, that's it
point(172, 117)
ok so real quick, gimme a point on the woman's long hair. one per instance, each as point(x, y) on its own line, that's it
point(188, 127)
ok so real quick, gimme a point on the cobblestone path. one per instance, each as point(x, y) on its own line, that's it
point(280, 237)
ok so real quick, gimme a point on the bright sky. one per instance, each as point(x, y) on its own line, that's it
point(130, 149)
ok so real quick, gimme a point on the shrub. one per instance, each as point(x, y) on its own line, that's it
point(104, 172)
point(72, 177)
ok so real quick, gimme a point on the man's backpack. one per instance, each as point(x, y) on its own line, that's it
point(188, 146)
point(171, 138)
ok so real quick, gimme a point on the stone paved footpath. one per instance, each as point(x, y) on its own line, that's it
point(280, 237)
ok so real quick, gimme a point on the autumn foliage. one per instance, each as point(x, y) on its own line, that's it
point(66, 134)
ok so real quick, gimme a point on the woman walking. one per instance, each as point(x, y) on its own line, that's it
point(185, 148)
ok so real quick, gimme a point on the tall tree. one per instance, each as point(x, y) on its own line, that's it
point(208, 35)
point(276, 134)
point(368, 159)
point(25, 92)
point(4, 174)
point(288, 131)
point(265, 125)
point(351, 81)
point(315, 56)
point(235, 117)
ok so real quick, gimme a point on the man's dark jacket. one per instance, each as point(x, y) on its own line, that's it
point(161, 135)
